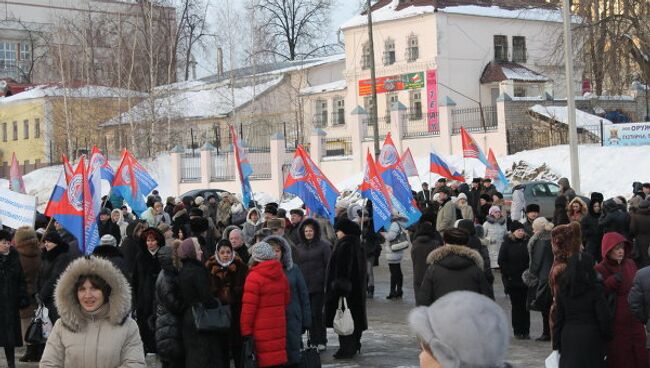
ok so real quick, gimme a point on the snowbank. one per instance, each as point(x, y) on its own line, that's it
point(561, 114)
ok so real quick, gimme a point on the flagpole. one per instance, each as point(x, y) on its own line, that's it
point(48, 225)
point(365, 202)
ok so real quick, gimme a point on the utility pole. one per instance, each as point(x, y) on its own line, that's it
point(571, 103)
point(373, 77)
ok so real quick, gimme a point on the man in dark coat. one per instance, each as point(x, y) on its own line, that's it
point(423, 197)
point(614, 218)
point(488, 187)
point(169, 311)
point(452, 267)
point(592, 233)
point(346, 277)
point(639, 299)
point(425, 241)
point(14, 297)
point(106, 226)
point(640, 232)
point(475, 243)
point(28, 247)
point(108, 250)
point(55, 260)
point(513, 261)
point(296, 216)
point(474, 194)
point(532, 212)
point(130, 247)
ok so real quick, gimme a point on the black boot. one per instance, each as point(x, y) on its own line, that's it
point(371, 292)
point(399, 293)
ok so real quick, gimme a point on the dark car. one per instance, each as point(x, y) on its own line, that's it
point(542, 193)
point(205, 193)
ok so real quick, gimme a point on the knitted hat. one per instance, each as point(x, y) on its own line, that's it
point(261, 252)
point(108, 239)
point(462, 196)
point(198, 200)
point(533, 207)
point(348, 227)
point(566, 240)
point(541, 223)
point(187, 249)
point(516, 225)
point(164, 227)
point(53, 237)
point(463, 329)
point(493, 210)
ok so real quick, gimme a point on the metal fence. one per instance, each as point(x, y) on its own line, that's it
point(190, 168)
point(470, 119)
point(222, 166)
point(338, 147)
point(260, 161)
point(533, 136)
point(384, 128)
point(417, 125)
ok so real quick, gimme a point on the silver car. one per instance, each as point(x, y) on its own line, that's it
point(542, 193)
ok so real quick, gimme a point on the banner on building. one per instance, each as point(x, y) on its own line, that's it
point(16, 209)
point(432, 101)
point(392, 83)
point(632, 134)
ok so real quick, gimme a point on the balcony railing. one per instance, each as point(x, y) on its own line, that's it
point(470, 119)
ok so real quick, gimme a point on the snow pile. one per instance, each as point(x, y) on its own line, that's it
point(328, 87)
point(81, 92)
point(560, 114)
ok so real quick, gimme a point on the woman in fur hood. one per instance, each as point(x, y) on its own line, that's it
point(576, 209)
point(94, 329)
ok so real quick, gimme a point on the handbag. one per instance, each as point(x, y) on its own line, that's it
point(309, 356)
point(248, 357)
point(405, 241)
point(343, 322)
point(37, 331)
point(553, 360)
point(542, 300)
point(213, 319)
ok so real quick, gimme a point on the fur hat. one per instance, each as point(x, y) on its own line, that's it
point(108, 240)
point(105, 211)
point(261, 252)
point(53, 237)
point(348, 227)
point(198, 225)
point(455, 237)
point(541, 223)
point(198, 200)
point(597, 197)
point(297, 211)
point(493, 210)
point(461, 196)
point(25, 234)
point(533, 207)
point(516, 225)
point(486, 197)
point(463, 329)
point(163, 227)
point(566, 240)
point(467, 225)
point(477, 180)
point(275, 224)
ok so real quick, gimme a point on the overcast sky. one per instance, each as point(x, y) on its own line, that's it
point(342, 11)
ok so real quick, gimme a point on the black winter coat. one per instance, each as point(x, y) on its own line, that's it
point(130, 248)
point(423, 244)
point(452, 268)
point(13, 297)
point(314, 256)
point(513, 261)
point(640, 233)
point(592, 235)
point(639, 299)
point(145, 274)
point(169, 311)
point(113, 255)
point(109, 228)
point(475, 244)
point(346, 276)
point(614, 219)
point(53, 263)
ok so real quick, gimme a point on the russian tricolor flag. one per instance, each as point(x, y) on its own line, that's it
point(66, 203)
point(438, 166)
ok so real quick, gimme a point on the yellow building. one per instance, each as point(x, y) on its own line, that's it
point(42, 123)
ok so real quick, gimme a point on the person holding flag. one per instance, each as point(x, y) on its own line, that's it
point(244, 169)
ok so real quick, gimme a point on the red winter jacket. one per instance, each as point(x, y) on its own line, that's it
point(266, 297)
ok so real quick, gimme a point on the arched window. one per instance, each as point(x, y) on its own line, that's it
point(412, 48)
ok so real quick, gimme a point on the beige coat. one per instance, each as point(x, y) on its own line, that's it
point(109, 339)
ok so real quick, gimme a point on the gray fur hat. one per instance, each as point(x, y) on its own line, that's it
point(463, 329)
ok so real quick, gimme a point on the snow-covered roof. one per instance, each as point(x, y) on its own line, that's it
point(327, 87)
point(388, 12)
point(80, 92)
point(192, 104)
point(500, 71)
point(560, 114)
point(540, 14)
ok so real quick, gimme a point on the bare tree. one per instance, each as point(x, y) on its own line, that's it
point(296, 28)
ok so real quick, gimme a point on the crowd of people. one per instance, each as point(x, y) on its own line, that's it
point(282, 276)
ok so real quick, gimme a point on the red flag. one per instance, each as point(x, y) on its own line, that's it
point(67, 168)
point(492, 170)
point(409, 164)
point(471, 149)
point(16, 182)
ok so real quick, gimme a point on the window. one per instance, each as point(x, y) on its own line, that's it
point(320, 118)
point(4, 132)
point(26, 129)
point(539, 190)
point(338, 116)
point(554, 189)
point(412, 50)
point(37, 128)
point(7, 54)
point(390, 99)
point(389, 52)
point(25, 52)
point(520, 91)
point(415, 96)
point(365, 57)
point(519, 49)
point(368, 104)
point(501, 48)
point(15, 135)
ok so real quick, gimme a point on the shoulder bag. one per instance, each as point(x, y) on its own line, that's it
point(404, 240)
point(211, 320)
point(310, 357)
point(343, 322)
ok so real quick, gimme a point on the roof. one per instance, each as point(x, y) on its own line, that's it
point(385, 10)
point(500, 71)
point(560, 114)
point(211, 101)
point(42, 91)
point(327, 87)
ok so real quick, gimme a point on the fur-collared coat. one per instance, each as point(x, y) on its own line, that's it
point(576, 216)
point(227, 284)
point(30, 260)
point(452, 268)
point(108, 339)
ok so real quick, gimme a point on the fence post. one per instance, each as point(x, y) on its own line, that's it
point(175, 158)
point(397, 118)
point(278, 151)
point(317, 146)
point(206, 163)
point(502, 125)
point(445, 123)
point(358, 128)
point(601, 133)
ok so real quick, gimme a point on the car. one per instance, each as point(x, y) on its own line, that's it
point(205, 193)
point(542, 193)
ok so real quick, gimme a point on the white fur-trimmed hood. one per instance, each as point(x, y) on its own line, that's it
point(65, 296)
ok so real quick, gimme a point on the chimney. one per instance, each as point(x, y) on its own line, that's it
point(219, 62)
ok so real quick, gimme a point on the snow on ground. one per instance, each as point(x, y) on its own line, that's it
point(610, 170)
